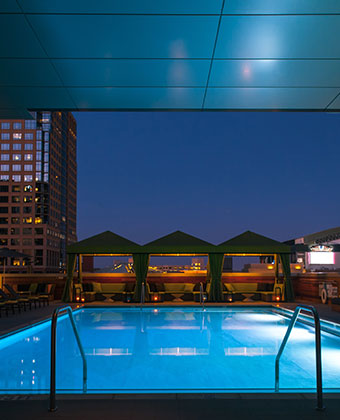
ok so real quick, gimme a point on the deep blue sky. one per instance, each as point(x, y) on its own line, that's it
point(213, 175)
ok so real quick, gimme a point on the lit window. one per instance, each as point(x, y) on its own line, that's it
point(16, 167)
point(4, 146)
point(16, 157)
point(38, 145)
point(29, 146)
point(4, 168)
point(5, 126)
point(38, 176)
point(38, 135)
point(28, 156)
point(16, 188)
point(16, 178)
point(17, 136)
point(27, 220)
point(38, 166)
point(27, 199)
point(28, 178)
point(38, 220)
point(45, 177)
point(4, 136)
point(28, 168)
point(28, 188)
point(38, 155)
point(15, 199)
point(16, 146)
point(28, 136)
point(17, 126)
point(4, 178)
point(4, 157)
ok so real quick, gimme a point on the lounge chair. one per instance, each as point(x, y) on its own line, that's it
point(22, 300)
point(4, 298)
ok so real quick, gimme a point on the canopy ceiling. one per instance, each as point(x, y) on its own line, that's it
point(104, 243)
point(173, 55)
point(252, 243)
point(179, 243)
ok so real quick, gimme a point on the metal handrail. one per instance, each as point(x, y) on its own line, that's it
point(142, 295)
point(201, 295)
point(68, 309)
point(317, 351)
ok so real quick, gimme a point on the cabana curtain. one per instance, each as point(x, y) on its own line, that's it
point(71, 265)
point(215, 264)
point(284, 258)
point(141, 266)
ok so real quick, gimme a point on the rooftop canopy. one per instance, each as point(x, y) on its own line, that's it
point(252, 243)
point(105, 243)
point(179, 243)
point(175, 55)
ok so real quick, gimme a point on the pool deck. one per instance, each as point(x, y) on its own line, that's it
point(165, 406)
point(173, 407)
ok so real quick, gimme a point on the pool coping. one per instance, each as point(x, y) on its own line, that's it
point(177, 396)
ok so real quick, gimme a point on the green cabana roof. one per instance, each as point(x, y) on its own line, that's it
point(104, 243)
point(179, 243)
point(252, 243)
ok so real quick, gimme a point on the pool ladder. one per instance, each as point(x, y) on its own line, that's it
point(293, 320)
point(68, 310)
point(202, 295)
point(142, 295)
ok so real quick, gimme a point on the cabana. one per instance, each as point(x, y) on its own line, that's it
point(103, 244)
point(252, 244)
point(182, 244)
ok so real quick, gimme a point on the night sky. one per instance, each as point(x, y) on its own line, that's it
point(213, 175)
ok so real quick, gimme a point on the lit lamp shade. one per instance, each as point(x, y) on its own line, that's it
point(278, 294)
point(156, 297)
point(77, 294)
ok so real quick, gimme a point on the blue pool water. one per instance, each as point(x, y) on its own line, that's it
point(169, 350)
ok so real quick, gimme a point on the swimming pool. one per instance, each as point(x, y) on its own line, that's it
point(182, 349)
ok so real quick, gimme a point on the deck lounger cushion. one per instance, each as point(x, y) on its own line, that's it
point(188, 287)
point(174, 287)
point(97, 287)
point(245, 287)
point(229, 287)
point(113, 287)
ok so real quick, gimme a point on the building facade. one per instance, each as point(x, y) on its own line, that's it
point(38, 189)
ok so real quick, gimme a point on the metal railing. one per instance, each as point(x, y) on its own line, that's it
point(142, 295)
point(202, 297)
point(293, 320)
point(68, 309)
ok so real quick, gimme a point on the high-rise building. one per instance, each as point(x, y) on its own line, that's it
point(38, 189)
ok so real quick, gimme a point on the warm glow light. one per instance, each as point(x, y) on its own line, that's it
point(270, 267)
point(298, 267)
point(77, 298)
point(83, 299)
point(277, 298)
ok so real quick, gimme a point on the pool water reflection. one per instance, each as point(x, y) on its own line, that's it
point(169, 350)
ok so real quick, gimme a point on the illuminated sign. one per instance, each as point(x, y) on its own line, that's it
point(321, 248)
point(321, 258)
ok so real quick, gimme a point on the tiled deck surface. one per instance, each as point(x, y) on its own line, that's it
point(163, 407)
point(231, 407)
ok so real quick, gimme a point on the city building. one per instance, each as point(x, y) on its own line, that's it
point(38, 189)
